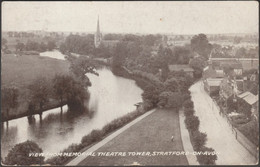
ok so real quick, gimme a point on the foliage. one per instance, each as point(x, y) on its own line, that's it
point(207, 159)
point(82, 65)
point(199, 140)
point(197, 64)
point(188, 111)
point(188, 104)
point(78, 44)
point(192, 123)
point(171, 85)
point(62, 86)
point(95, 136)
point(9, 97)
point(119, 55)
point(151, 95)
point(39, 92)
point(19, 154)
point(164, 98)
point(201, 45)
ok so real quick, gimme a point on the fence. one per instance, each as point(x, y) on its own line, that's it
point(243, 140)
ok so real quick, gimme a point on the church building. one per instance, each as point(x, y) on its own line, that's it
point(100, 41)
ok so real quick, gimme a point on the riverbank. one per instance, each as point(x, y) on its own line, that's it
point(49, 106)
point(95, 136)
point(20, 72)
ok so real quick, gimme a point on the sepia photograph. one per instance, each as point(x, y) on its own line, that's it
point(129, 83)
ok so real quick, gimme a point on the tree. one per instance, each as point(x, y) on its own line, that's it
point(171, 85)
point(9, 98)
point(188, 104)
point(163, 98)
point(120, 54)
point(61, 85)
point(19, 154)
point(20, 46)
point(192, 123)
point(201, 45)
point(188, 112)
point(151, 95)
point(51, 45)
point(241, 52)
point(175, 100)
point(199, 140)
point(207, 159)
point(81, 66)
point(39, 92)
point(197, 64)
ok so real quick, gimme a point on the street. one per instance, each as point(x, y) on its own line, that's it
point(219, 132)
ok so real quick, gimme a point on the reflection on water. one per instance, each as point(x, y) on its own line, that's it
point(110, 98)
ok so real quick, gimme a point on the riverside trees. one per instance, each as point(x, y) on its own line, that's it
point(9, 99)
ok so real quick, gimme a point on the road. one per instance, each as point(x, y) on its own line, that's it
point(218, 131)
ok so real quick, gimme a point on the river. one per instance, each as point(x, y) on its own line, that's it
point(110, 97)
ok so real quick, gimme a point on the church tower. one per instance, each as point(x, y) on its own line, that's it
point(98, 35)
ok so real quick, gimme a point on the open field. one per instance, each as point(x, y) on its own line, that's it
point(21, 71)
point(152, 134)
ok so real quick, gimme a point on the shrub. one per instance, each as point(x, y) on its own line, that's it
point(199, 140)
point(207, 159)
point(192, 123)
point(188, 112)
point(19, 154)
point(188, 104)
point(95, 135)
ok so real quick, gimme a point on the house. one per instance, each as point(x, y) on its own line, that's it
point(212, 85)
point(186, 68)
point(252, 100)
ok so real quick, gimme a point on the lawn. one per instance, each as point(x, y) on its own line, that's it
point(21, 71)
point(152, 134)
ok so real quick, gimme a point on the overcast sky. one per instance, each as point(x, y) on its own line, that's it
point(133, 17)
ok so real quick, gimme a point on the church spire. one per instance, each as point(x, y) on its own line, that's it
point(98, 35)
point(98, 30)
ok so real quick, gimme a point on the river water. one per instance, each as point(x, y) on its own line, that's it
point(110, 97)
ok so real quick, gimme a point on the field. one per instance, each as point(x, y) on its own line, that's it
point(21, 71)
point(152, 134)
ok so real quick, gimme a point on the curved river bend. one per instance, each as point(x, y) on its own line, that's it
point(110, 97)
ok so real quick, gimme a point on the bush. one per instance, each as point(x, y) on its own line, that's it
point(188, 112)
point(19, 154)
point(188, 104)
point(94, 136)
point(199, 140)
point(192, 123)
point(205, 159)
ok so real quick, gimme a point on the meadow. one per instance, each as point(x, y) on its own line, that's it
point(21, 71)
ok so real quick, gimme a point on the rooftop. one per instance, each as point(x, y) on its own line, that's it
point(214, 81)
point(249, 97)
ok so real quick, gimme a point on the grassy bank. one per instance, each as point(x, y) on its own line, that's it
point(152, 134)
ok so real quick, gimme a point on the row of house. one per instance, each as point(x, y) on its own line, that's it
point(227, 80)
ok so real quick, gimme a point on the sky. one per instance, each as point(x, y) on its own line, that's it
point(179, 17)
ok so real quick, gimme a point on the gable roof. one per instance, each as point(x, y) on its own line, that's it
point(249, 97)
